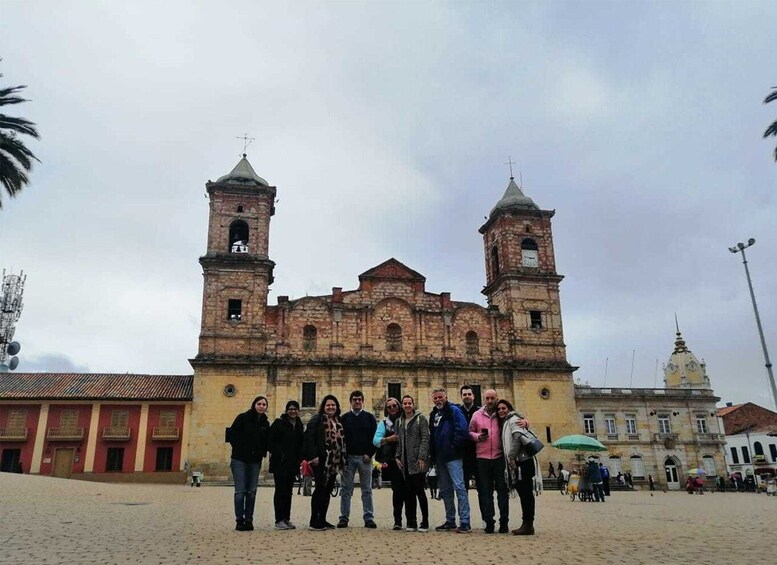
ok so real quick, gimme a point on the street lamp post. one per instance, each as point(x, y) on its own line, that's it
point(740, 248)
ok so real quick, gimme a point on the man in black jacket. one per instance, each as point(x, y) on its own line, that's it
point(359, 428)
point(469, 407)
point(248, 437)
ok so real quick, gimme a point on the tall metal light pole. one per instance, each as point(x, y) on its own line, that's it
point(740, 248)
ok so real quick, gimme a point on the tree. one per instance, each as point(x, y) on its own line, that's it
point(15, 158)
point(772, 129)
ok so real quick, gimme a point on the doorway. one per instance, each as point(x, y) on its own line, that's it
point(10, 460)
point(63, 463)
point(672, 476)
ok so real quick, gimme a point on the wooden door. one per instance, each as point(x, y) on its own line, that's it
point(63, 463)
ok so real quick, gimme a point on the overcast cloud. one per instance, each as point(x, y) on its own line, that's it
point(385, 127)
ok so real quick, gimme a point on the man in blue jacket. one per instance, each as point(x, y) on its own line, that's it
point(449, 435)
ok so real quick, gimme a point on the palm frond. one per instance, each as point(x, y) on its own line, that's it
point(16, 149)
point(11, 177)
point(771, 130)
point(8, 95)
point(19, 125)
point(772, 96)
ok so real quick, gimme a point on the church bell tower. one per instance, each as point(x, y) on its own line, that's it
point(521, 277)
point(236, 268)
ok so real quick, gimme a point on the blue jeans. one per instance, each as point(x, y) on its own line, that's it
point(246, 477)
point(450, 477)
point(354, 463)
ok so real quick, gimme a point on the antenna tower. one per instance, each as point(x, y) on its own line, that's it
point(11, 291)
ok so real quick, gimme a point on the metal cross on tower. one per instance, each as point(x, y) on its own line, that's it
point(511, 163)
point(246, 141)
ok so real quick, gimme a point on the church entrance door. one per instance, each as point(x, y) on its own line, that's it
point(63, 463)
point(672, 477)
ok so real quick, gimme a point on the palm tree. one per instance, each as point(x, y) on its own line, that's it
point(15, 157)
point(772, 129)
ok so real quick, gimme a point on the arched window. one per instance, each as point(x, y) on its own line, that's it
point(637, 467)
point(529, 253)
point(709, 465)
point(758, 448)
point(309, 338)
point(473, 347)
point(494, 261)
point(393, 337)
point(238, 237)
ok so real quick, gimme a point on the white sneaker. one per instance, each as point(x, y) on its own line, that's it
point(281, 525)
point(289, 525)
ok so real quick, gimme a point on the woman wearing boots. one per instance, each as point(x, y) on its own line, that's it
point(413, 460)
point(521, 468)
point(325, 451)
point(385, 440)
point(248, 437)
point(285, 456)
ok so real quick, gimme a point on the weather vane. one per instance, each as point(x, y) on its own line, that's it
point(511, 163)
point(246, 141)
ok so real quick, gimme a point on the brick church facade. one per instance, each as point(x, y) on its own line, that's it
point(388, 336)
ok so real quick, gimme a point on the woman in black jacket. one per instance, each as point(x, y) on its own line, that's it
point(248, 437)
point(285, 456)
point(325, 451)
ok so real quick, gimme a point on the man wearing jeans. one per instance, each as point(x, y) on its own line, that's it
point(359, 428)
point(449, 434)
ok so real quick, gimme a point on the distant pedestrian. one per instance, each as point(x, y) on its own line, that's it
point(563, 480)
point(605, 472)
point(551, 470)
point(651, 484)
point(248, 438)
point(594, 476)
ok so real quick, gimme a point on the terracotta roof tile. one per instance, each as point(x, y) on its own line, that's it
point(727, 409)
point(104, 386)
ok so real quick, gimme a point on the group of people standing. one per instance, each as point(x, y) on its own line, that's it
point(409, 445)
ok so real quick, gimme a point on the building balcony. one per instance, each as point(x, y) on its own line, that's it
point(65, 434)
point(663, 437)
point(612, 437)
point(710, 438)
point(165, 433)
point(632, 437)
point(13, 434)
point(116, 433)
point(592, 435)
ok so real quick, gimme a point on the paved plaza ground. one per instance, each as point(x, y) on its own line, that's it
point(45, 520)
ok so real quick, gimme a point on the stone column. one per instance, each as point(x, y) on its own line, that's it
point(187, 416)
point(91, 441)
point(140, 448)
point(40, 439)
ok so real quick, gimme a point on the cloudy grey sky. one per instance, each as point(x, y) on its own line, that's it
point(385, 126)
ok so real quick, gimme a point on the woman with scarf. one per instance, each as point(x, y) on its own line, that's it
point(413, 460)
point(521, 468)
point(248, 438)
point(325, 452)
point(385, 440)
point(285, 456)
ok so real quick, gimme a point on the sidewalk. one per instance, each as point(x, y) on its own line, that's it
point(46, 520)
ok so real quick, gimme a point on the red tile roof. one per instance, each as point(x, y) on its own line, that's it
point(727, 409)
point(102, 386)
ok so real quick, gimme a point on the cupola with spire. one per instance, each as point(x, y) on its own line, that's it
point(514, 199)
point(243, 174)
point(684, 370)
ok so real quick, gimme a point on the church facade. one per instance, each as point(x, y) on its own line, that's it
point(388, 336)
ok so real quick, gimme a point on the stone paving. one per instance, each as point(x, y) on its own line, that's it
point(45, 520)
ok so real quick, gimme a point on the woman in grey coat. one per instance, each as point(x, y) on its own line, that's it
point(413, 460)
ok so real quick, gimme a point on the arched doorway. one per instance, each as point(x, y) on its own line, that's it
point(671, 468)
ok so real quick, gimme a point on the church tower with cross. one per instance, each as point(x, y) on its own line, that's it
point(521, 277)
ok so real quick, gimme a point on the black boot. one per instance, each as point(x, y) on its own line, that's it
point(240, 525)
point(526, 529)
